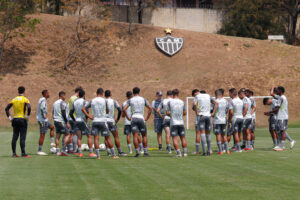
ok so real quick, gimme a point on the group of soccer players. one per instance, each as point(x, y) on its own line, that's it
point(71, 121)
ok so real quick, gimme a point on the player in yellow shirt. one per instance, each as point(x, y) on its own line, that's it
point(19, 121)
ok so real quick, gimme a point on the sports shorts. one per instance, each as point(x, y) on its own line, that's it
point(219, 129)
point(138, 125)
point(158, 125)
point(61, 128)
point(177, 130)
point(44, 126)
point(204, 123)
point(98, 127)
point(127, 130)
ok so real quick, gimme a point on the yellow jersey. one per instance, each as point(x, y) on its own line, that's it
point(19, 106)
point(71, 100)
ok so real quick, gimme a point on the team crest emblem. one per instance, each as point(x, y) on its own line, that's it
point(168, 44)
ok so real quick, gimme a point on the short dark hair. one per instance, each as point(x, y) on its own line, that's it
point(175, 92)
point(202, 91)
point(169, 92)
point(194, 91)
point(21, 89)
point(128, 94)
point(44, 92)
point(78, 89)
point(107, 93)
point(222, 91)
point(81, 93)
point(136, 90)
point(241, 91)
point(281, 89)
point(99, 91)
point(61, 93)
point(217, 92)
point(233, 91)
point(265, 100)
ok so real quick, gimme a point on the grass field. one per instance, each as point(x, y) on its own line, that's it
point(261, 174)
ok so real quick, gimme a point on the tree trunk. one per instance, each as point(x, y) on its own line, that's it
point(57, 7)
point(294, 27)
point(5, 37)
point(140, 12)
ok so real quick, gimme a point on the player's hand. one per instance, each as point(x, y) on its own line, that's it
point(116, 121)
point(27, 117)
point(68, 125)
point(91, 117)
point(10, 118)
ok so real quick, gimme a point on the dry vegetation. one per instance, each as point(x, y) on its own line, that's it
point(119, 61)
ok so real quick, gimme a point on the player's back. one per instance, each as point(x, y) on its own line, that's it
point(253, 103)
point(128, 111)
point(99, 106)
point(57, 110)
point(246, 100)
point(42, 104)
point(137, 104)
point(236, 105)
point(283, 113)
point(78, 105)
point(164, 107)
point(203, 104)
point(19, 104)
point(176, 108)
point(220, 115)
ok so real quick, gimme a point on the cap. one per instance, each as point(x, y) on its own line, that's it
point(159, 93)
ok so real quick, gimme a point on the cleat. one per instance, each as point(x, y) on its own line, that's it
point(93, 155)
point(122, 154)
point(142, 152)
point(137, 155)
point(177, 156)
point(234, 149)
point(276, 147)
point(228, 152)
point(71, 152)
point(169, 152)
point(115, 157)
point(59, 154)
point(279, 149)
point(196, 153)
point(208, 153)
point(15, 156)
point(26, 156)
point(243, 147)
point(160, 149)
point(185, 155)
point(146, 155)
point(75, 153)
point(64, 154)
point(292, 144)
point(247, 149)
point(42, 153)
point(99, 158)
point(130, 152)
point(204, 154)
point(80, 155)
point(238, 151)
point(220, 153)
point(224, 151)
point(52, 145)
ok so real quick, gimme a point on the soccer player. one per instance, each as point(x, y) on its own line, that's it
point(42, 118)
point(72, 146)
point(282, 117)
point(127, 123)
point(247, 120)
point(249, 94)
point(158, 120)
point(162, 109)
point(176, 110)
point(138, 125)
point(236, 117)
point(99, 110)
point(219, 121)
point(272, 119)
point(111, 121)
point(81, 127)
point(195, 92)
point(22, 109)
point(62, 126)
point(202, 107)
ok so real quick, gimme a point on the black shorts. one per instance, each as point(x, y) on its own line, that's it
point(127, 130)
point(247, 124)
point(219, 129)
point(44, 126)
point(253, 125)
point(138, 125)
point(237, 125)
point(158, 125)
point(100, 127)
point(73, 127)
point(82, 127)
point(19, 123)
point(229, 129)
point(112, 127)
point(204, 123)
point(272, 123)
point(61, 128)
point(167, 123)
point(177, 130)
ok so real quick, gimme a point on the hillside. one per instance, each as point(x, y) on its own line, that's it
point(207, 61)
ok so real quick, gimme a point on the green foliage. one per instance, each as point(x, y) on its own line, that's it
point(252, 18)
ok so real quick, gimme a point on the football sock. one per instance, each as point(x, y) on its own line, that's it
point(137, 151)
point(70, 147)
point(64, 149)
point(52, 139)
point(79, 150)
point(282, 144)
point(40, 148)
point(274, 142)
point(203, 141)
point(98, 152)
point(169, 147)
point(219, 146)
point(75, 146)
point(145, 150)
point(57, 150)
point(185, 150)
point(208, 141)
point(226, 146)
point(91, 150)
point(141, 146)
point(178, 152)
point(160, 146)
point(129, 147)
point(197, 147)
point(248, 144)
point(108, 151)
point(120, 150)
point(238, 146)
point(288, 137)
point(223, 146)
point(252, 143)
point(113, 151)
point(244, 142)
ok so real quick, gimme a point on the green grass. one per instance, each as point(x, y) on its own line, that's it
point(261, 174)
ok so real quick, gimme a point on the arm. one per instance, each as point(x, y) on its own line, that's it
point(230, 114)
point(125, 112)
point(149, 112)
point(28, 109)
point(245, 110)
point(7, 111)
point(159, 109)
point(43, 110)
point(72, 113)
point(253, 109)
point(119, 114)
point(272, 92)
point(215, 108)
point(84, 110)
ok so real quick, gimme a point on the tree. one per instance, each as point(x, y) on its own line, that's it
point(13, 19)
point(252, 18)
point(85, 30)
